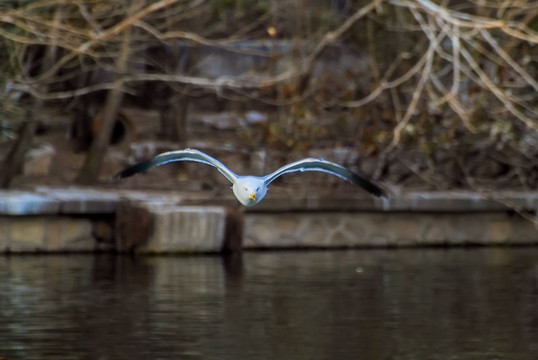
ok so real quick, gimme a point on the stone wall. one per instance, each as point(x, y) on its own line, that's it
point(397, 229)
point(161, 227)
point(82, 220)
point(48, 234)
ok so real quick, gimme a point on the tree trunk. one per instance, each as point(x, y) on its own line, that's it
point(12, 165)
point(14, 161)
point(173, 120)
point(94, 159)
point(81, 126)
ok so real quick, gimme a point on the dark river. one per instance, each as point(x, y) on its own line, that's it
point(479, 303)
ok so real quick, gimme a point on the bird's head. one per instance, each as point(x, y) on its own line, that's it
point(249, 190)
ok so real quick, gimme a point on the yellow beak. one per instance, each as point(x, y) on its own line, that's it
point(253, 196)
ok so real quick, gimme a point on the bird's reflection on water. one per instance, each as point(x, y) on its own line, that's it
point(374, 304)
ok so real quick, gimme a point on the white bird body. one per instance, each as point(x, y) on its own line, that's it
point(250, 190)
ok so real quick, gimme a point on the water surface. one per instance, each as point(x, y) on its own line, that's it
point(358, 304)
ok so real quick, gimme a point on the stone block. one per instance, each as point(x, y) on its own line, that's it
point(38, 160)
point(3, 233)
point(26, 203)
point(81, 200)
point(365, 229)
point(133, 226)
point(75, 235)
point(160, 227)
point(25, 234)
point(46, 234)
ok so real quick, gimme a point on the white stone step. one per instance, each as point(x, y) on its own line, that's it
point(161, 227)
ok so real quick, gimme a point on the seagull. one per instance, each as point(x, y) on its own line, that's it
point(250, 190)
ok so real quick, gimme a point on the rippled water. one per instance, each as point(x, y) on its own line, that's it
point(360, 304)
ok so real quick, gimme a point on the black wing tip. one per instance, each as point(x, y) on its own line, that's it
point(375, 190)
point(122, 175)
point(378, 192)
point(369, 186)
point(132, 170)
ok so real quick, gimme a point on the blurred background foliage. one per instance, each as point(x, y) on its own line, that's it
point(434, 94)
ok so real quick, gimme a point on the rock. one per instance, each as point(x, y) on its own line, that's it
point(47, 234)
point(401, 229)
point(27, 203)
point(164, 227)
point(254, 118)
point(38, 160)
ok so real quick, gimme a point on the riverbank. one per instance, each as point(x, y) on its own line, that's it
point(77, 219)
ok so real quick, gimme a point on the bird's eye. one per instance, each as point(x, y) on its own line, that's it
point(257, 189)
point(246, 189)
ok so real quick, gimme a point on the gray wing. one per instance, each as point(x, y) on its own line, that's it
point(180, 155)
point(312, 164)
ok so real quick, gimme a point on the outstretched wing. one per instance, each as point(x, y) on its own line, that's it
point(312, 164)
point(180, 155)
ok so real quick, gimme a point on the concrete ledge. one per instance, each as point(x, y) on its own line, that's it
point(27, 203)
point(82, 219)
point(48, 234)
point(163, 227)
point(417, 201)
point(57, 201)
point(86, 201)
point(363, 229)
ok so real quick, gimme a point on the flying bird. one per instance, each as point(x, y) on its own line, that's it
point(250, 190)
